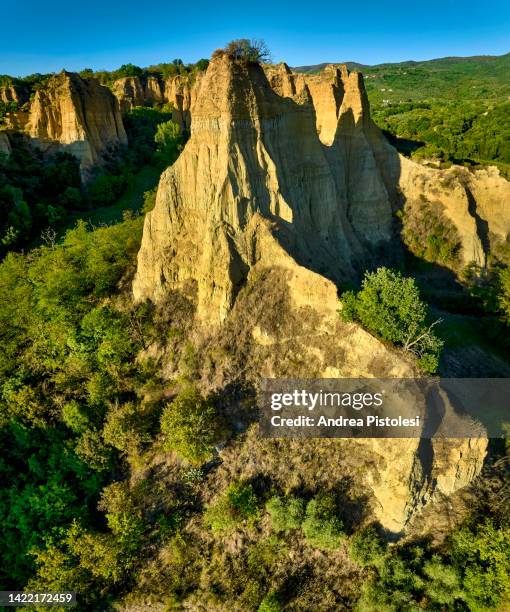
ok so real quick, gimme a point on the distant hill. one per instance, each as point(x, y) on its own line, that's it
point(436, 64)
point(318, 67)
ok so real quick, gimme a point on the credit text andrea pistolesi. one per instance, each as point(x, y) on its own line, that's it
point(368, 421)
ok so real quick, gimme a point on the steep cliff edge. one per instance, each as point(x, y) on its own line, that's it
point(281, 185)
point(134, 91)
point(14, 92)
point(476, 202)
point(177, 91)
point(254, 151)
point(76, 115)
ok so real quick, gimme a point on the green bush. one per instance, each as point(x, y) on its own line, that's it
point(169, 140)
point(189, 426)
point(105, 189)
point(321, 527)
point(482, 557)
point(389, 306)
point(270, 603)
point(473, 573)
point(238, 505)
point(367, 548)
point(286, 513)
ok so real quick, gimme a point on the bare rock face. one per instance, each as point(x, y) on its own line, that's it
point(134, 91)
point(76, 115)
point(253, 151)
point(177, 91)
point(13, 93)
point(286, 181)
point(476, 202)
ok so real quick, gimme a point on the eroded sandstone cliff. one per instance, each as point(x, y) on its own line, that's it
point(176, 91)
point(14, 93)
point(78, 116)
point(284, 182)
point(476, 202)
point(253, 151)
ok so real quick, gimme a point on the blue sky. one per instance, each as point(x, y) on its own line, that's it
point(103, 34)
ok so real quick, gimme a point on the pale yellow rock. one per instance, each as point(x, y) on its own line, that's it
point(13, 93)
point(180, 91)
point(252, 152)
point(78, 116)
point(136, 91)
point(130, 92)
point(285, 178)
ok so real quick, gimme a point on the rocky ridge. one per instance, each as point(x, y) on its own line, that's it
point(284, 187)
point(177, 91)
point(254, 153)
point(78, 116)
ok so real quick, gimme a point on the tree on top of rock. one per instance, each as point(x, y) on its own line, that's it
point(250, 51)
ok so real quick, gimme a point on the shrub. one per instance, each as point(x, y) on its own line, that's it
point(442, 582)
point(105, 189)
point(270, 603)
point(367, 548)
point(237, 505)
point(321, 527)
point(389, 306)
point(429, 234)
point(169, 140)
point(503, 291)
point(189, 426)
point(286, 513)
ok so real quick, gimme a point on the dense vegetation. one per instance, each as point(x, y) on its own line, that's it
point(453, 109)
point(163, 71)
point(470, 571)
point(40, 194)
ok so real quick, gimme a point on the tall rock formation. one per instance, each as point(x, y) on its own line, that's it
point(477, 202)
point(286, 181)
point(76, 115)
point(13, 92)
point(255, 153)
point(140, 91)
point(135, 91)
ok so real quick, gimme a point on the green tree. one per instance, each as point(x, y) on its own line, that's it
point(237, 505)
point(286, 513)
point(367, 548)
point(128, 70)
point(389, 306)
point(189, 426)
point(322, 527)
point(251, 51)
